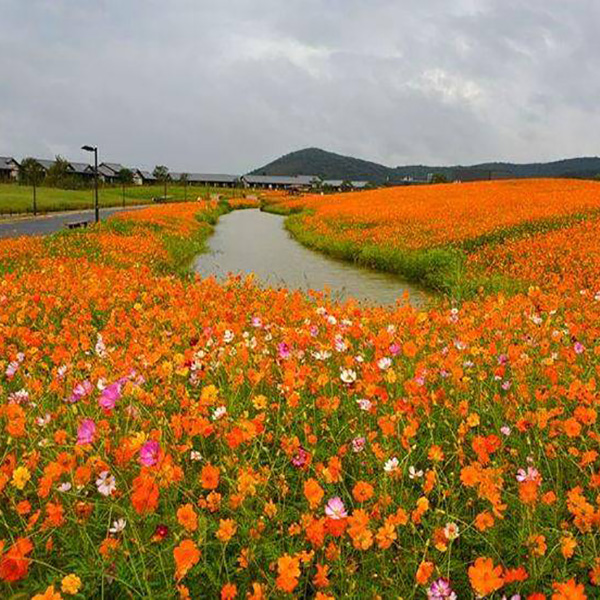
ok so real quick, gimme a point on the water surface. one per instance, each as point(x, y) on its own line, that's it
point(251, 241)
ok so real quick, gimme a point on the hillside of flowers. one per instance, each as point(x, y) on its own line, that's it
point(170, 437)
point(427, 233)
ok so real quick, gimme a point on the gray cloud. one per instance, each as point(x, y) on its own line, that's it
point(228, 85)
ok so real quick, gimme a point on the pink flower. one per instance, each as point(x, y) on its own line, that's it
point(110, 394)
point(80, 391)
point(149, 453)
point(358, 444)
point(300, 458)
point(530, 475)
point(579, 348)
point(284, 350)
point(335, 508)
point(86, 432)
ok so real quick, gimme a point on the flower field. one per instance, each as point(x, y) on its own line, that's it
point(170, 437)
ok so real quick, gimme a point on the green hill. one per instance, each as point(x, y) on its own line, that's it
point(328, 165)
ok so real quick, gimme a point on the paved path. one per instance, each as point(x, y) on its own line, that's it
point(52, 223)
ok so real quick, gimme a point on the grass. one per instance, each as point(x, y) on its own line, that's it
point(18, 199)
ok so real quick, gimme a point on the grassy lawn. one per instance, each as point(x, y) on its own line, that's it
point(19, 198)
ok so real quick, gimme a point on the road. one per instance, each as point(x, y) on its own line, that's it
point(51, 223)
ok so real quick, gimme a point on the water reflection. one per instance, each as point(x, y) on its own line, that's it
point(252, 241)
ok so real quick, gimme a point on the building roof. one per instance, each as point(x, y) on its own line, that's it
point(332, 182)
point(81, 168)
point(280, 179)
point(145, 174)
point(359, 184)
point(108, 166)
point(44, 162)
point(7, 162)
point(212, 178)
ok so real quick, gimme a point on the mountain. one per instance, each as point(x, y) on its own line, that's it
point(328, 165)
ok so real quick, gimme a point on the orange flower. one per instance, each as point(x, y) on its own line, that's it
point(227, 529)
point(145, 494)
point(49, 594)
point(313, 492)
point(424, 572)
point(570, 590)
point(484, 521)
point(288, 571)
point(210, 477)
point(362, 491)
point(186, 555)
point(485, 578)
point(187, 517)
point(228, 591)
point(14, 565)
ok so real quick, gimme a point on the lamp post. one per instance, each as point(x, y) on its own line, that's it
point(94, 149)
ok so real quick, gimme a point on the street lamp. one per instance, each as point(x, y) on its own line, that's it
point(94, 149)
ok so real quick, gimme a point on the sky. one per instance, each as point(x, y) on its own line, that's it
point(226, 86)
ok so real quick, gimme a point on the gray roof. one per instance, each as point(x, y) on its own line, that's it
point(107, 167)
point(212, 178)
point(44, 162)
point(145, 175)
point(280, 179)
point(333, 182)
point(359, 184)
point(81, 168)
point(7, 162)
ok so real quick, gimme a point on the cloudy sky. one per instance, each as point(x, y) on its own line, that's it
point(227, 85)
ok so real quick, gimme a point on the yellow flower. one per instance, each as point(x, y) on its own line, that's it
point(71, 584)
point(20, 477)
point(260, 402)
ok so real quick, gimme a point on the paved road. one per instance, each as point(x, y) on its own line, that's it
point(52, 223)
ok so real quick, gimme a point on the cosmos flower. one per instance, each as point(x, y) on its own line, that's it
point(106, 483)
point(335, 508)
point(149, 453)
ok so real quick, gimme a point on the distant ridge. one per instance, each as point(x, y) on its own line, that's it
point(329, 165)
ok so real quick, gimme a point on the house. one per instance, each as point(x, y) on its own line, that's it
point(359, 185)
point(109, 172)
point(44, 163)
point(214, 180)
point(82, 170)
point(280, 182)
point(9, 168)
point(143, 177)
point(340, 184)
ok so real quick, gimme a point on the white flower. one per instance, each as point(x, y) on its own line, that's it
point(331, 320)
point(118, 526)
point(364, 404)
point(340, 344)
point(100, 348)
point(195, 455)
point(451, 531)
point(219, 412)
point(413, 473)
point(106, 483)
point(348, 375)
point(384, 363)
point(43, 421)
point(228, 336)
point(64, 487)
point(391, 465)
point(321, 355)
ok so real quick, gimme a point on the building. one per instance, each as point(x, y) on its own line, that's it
point(109, 172)
point(280, 182)
point(143, 177)
point(44, 163)
point(214, 180)
point(9, 168)
point(343, 185)
point(82, 170)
